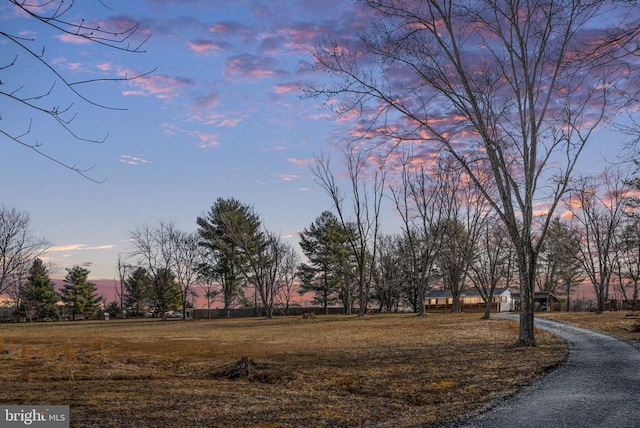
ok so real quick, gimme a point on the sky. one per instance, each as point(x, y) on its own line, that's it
point(220, 115)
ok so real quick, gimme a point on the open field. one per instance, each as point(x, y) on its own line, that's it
point(383, 370)
point(618, 323)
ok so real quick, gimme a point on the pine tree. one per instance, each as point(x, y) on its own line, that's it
point(39, 297)
point(138, 293)
point(226, 261)
point(78, 294)
point(324, 244)
point(165, 293)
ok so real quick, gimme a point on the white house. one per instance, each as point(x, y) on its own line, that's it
point(470, 299)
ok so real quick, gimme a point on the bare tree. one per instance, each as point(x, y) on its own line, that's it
point(16, 287)
point(494, 262)
point(263, 254)
point(416, 201)
point(388, 278)
point(560, 269)
point(464, 211)
point(187, 257)
point(365, 203)
point(627, 262)
point(516, 85)
point(597, 205)
point(154, 250)
point(19, 247)
point(120, 285)
point(54, 94)
point(208, 284)
point(288, 286)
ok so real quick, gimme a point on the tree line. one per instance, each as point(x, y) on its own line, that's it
point(448, 239)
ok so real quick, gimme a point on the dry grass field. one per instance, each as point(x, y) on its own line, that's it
point(622, 324)
point(383, 370)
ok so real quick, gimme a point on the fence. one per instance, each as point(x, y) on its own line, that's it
point(259, 312)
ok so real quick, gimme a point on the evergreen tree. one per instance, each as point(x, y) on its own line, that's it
point(325, 245)
point(138, 293)
point(165, 293)
point(78, 294)
point(39, 297)
point(226, 261)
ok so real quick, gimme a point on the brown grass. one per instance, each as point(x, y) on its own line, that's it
point(383, 370)
point(622, 324)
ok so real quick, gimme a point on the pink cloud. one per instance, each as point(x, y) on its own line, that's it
point(75, 66)
point(208, 140)
point(230, 122)
point(286, 87)
point(206, 101)
point(286, 177)
point(204, 46)
point(133, 160)
point(248, 65)
point(79, 247)
point(217, 120)
point(73, 39)
point(169, 128)
point(121, 25)
point(158, 85)
point(304, 162)
point(204, 139)
point(105, 66)
point(229, 28)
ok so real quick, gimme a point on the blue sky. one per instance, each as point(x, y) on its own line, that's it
point(221, 116)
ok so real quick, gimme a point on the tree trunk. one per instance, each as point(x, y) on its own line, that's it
point(487, 311)
point(455, 304)
point(422, 311)
point(527, 270)
point(487, 306)
point(600, 300)
point(362, 299)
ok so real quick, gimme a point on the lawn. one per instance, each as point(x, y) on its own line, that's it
point(622, 324)
point(383, 370)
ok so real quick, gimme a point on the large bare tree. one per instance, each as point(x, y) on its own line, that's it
point(362, 201)
point(464, 210)
point(516, 85)
point(597, 205)
point(56, 95)
point(415, 196)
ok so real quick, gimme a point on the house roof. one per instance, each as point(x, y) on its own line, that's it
point(446, 294)
point(539, 295)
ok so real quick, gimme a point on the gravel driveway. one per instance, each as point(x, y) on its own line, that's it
point(599, 386)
